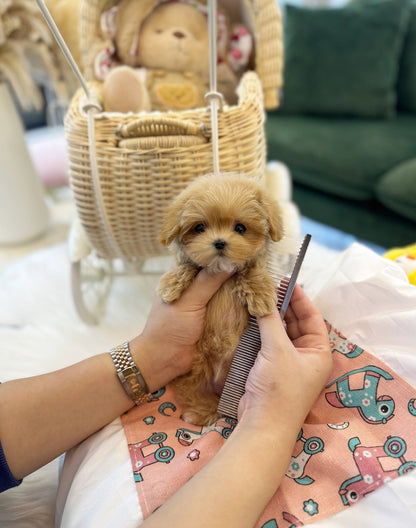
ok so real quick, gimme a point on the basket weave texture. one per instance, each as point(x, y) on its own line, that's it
point(145, 160)
point(138, 183)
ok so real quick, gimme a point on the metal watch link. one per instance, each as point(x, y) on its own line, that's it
point(129, 374)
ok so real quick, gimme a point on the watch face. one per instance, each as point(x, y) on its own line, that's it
point(129, 374)
point(131, 378)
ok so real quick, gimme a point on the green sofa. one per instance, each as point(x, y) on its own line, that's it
point(346, 127)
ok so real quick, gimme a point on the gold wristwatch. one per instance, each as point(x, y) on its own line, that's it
point(129, 374)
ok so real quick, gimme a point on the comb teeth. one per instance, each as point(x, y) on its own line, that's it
point(250, 342)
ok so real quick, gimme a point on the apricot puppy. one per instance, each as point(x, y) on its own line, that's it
point(223, 223)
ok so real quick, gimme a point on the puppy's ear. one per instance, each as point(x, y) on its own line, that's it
point(171, 221)
point(274, 218)
point(169, 231)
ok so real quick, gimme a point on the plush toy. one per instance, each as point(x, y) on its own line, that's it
point(159, 59)
point(406, 258)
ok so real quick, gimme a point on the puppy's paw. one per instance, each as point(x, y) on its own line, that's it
point(169, 288)
point(202, 411)
point(197, 418)
point(258, 306)
point(173, 283)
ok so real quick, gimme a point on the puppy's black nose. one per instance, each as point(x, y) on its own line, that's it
point(220, 244)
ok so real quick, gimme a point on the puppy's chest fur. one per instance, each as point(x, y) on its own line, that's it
point(226, 320)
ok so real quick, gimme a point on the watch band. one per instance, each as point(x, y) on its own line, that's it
point(129, 374)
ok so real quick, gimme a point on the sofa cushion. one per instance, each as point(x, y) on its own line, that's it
point(342, 156)
point(406, 86)
point(366, 220)
point(397, 189)
point(344, 61)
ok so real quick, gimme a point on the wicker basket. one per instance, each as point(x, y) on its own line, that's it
point(144, 160)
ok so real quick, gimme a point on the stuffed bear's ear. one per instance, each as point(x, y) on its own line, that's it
point(128, 21)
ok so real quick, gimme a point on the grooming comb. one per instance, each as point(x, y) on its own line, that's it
point(284, 270)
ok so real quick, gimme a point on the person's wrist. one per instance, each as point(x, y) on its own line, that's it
point(274, 430)
point(272, 417)
point(141, 354)
point(159, 365)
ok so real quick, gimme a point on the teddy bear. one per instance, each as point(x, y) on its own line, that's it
point(405, 257)
point(159, 59)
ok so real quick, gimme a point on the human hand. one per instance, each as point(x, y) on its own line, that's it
point(165, 348)
point(292, 365)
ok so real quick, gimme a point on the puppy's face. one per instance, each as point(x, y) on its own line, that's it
point(222, 222)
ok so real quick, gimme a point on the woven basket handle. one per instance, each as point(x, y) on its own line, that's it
point(149, 126)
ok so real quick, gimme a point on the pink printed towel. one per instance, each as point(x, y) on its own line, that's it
point(359, 435)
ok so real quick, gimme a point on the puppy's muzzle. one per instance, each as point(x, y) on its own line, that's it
point(220, 244)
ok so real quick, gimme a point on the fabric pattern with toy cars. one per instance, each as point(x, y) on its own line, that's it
point(358, 436)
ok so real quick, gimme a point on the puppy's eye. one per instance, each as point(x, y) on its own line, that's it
point(240, 228)
point(199, 228)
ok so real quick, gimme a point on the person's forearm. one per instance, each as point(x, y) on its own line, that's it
point(235, 486)
point(43, 416)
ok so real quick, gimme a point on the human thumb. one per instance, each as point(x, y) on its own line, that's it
point(204, 286)
point(271, 329)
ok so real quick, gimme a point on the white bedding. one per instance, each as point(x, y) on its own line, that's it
point(362, 294)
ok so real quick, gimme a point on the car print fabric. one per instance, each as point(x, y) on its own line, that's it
point(359, 435)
